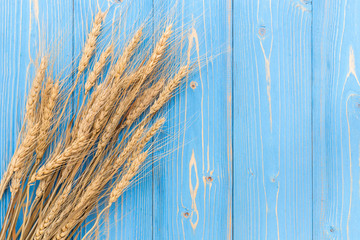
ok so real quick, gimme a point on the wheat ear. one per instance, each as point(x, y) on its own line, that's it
point(112, 124)
point(52, 228)
point(90, 43)
point(170, 87)
point(98, 67)
point(159, 50)
point(34, 93)
point(124, 59)
point(131, 145)
point(88, 51)
point(97, 184)
point(18, 160)
point(56, 162)
point(52, 214)
point(116, 73)
point(143, 102)
point(104, 112)
point(90, 195)
point(93, 107)
point(80, 142)
point(150, 65)
point(86, 134)
point(145, 139)
point(23, 155)
point(125, 180)
point(46, 117)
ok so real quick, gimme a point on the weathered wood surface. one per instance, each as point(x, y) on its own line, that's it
point(262, 142)
point(272, 120)
point(336, 126)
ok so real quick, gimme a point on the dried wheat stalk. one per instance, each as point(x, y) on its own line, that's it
point(63, 167)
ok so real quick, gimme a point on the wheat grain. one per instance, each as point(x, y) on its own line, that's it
point(41, 189)
point(16, 182)
point(52, 228)
point(66, 229)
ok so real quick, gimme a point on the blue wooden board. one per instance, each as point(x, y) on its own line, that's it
point(336, 120)
point(272, 120)
point(263, 141)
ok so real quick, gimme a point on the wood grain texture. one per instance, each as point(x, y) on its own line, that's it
point(193, 185)
point(272, 120)
point(336, 141)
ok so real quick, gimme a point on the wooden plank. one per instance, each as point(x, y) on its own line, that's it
point(336, 119)
point(27, 28)
point(272, 120)
point(192, 183)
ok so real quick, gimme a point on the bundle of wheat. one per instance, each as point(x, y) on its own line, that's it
point(60, 172)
